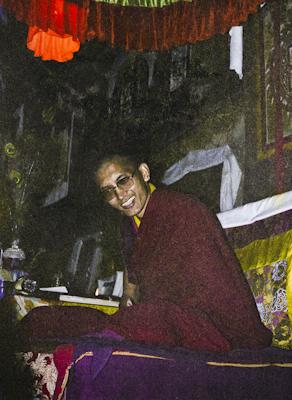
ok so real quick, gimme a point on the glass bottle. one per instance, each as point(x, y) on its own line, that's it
point(12, 259)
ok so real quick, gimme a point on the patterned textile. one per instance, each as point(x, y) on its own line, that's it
point(267, 264)
point(45, 374)
point(141, 3)
point(50, 372)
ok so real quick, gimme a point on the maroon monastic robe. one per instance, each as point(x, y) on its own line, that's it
point(193, 291)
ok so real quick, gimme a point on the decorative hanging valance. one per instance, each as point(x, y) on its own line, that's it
point(141, 3)
point(141, 25)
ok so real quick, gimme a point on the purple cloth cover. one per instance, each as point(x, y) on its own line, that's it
point(140, 372)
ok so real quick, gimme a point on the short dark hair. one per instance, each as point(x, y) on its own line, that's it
point(124, 158)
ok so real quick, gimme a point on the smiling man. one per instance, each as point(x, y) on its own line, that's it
point(124, 185)
point(186, 285)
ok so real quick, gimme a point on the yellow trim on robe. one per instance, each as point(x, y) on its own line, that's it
point(137, 219)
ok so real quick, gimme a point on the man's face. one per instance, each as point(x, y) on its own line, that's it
point(131, 199)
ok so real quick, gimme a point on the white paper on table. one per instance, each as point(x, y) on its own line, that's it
point(55, 289)
point(118, 288)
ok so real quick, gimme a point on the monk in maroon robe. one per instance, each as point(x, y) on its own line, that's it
point(186, 285)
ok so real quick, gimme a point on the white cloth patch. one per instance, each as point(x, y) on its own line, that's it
point(202, 159)
point(236, 50)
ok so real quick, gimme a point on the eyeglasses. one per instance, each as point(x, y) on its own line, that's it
point(124, 183)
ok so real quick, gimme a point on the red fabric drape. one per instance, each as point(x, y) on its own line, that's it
point(161, 28)
point(134, 28)
point(60, 16)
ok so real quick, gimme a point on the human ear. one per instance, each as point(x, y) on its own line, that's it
point(145, 172)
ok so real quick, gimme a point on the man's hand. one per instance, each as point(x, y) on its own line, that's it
point(131, 293)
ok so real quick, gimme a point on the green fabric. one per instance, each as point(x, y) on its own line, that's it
point(141, 3)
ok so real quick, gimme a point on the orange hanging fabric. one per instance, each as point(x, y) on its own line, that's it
point(50, 45)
